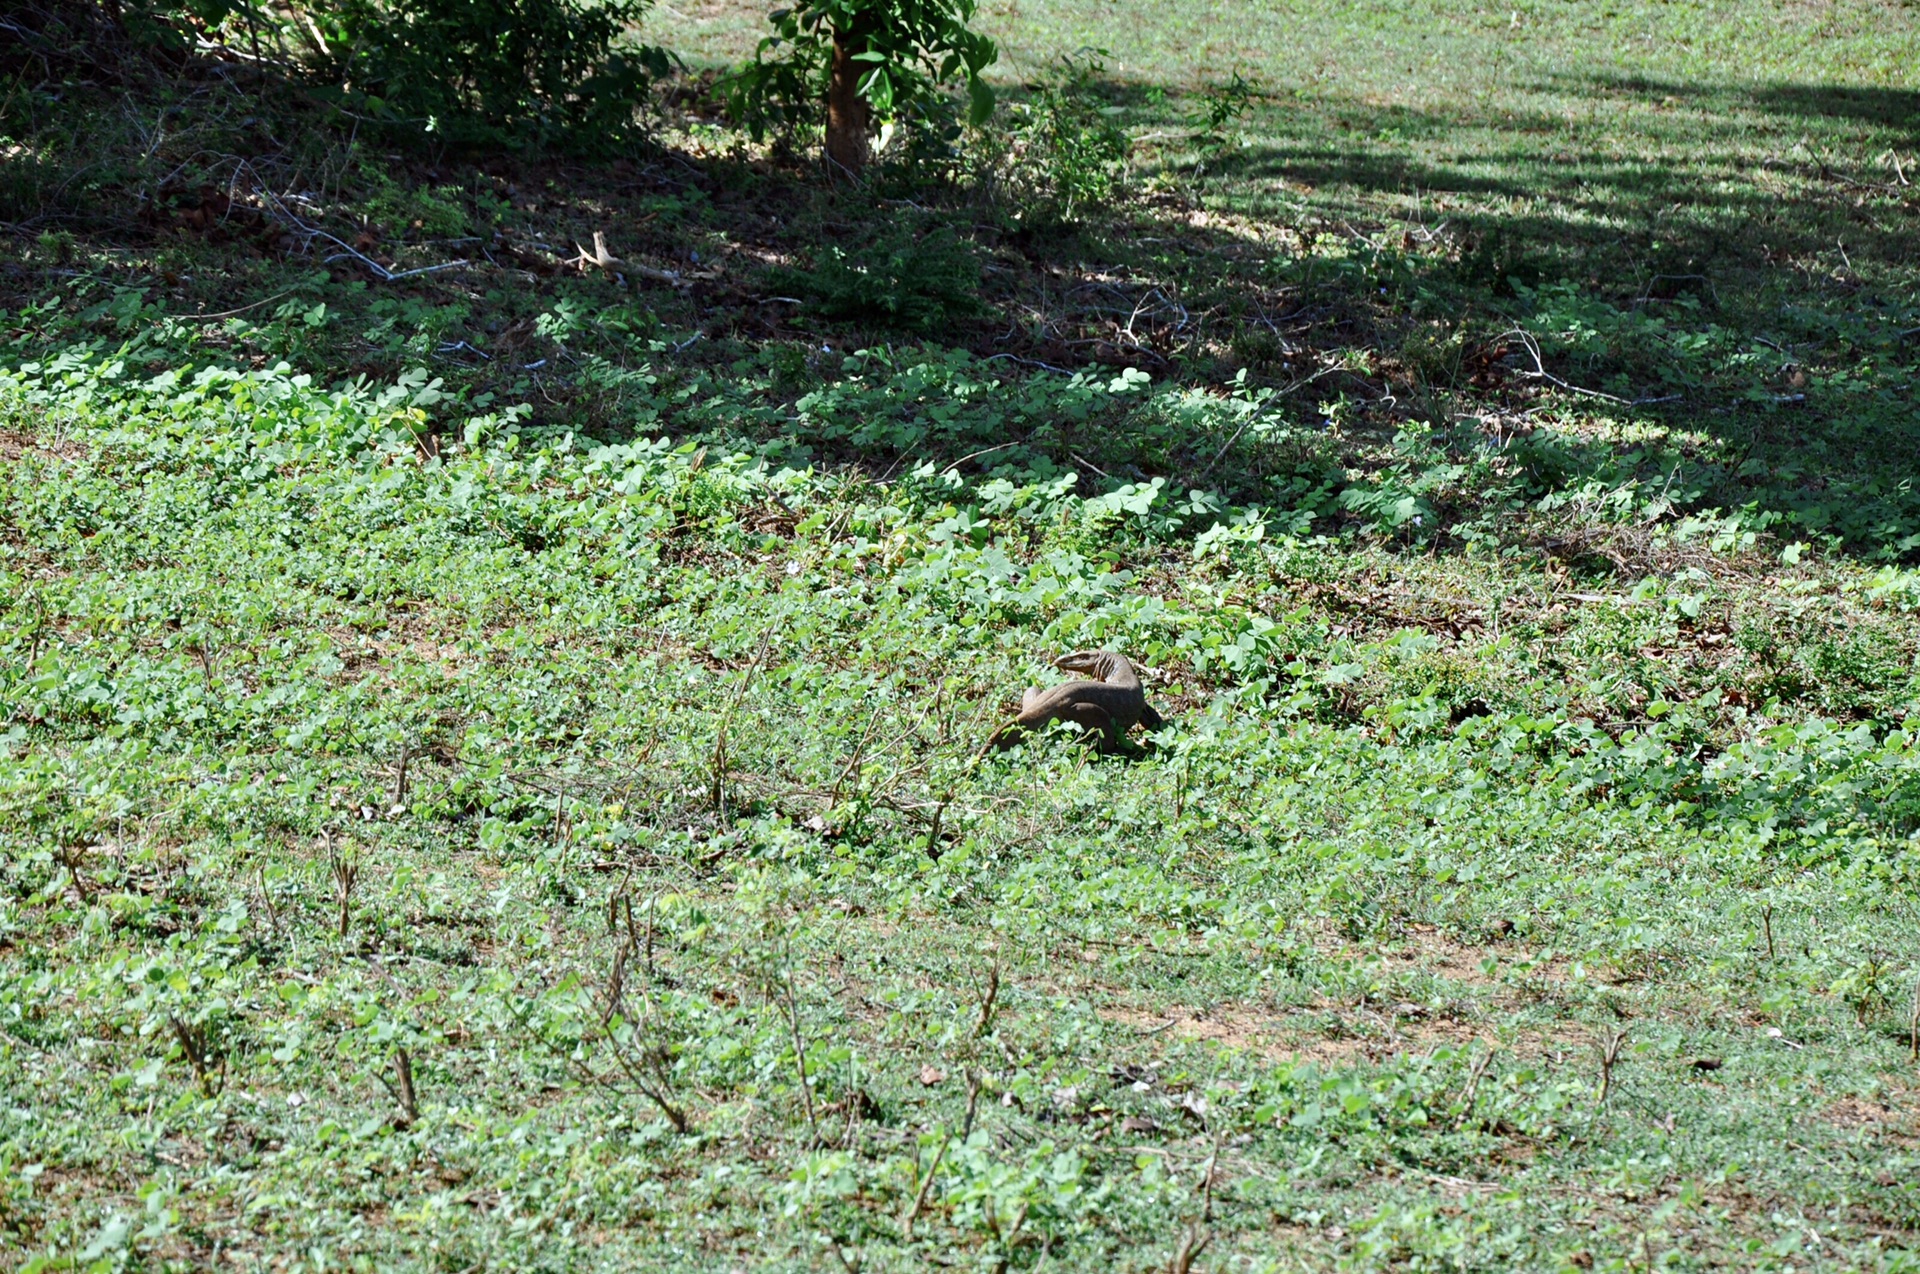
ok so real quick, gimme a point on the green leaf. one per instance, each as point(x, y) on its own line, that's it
point(111, 1238)
point(980, 101)
point(880, 92)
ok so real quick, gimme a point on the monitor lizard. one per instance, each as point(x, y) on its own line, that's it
point(1112, 704)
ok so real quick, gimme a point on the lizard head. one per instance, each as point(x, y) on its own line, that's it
point(1094, 663)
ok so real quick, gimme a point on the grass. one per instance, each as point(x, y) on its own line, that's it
point(1427, 833)
point(490, 764)
point(1723, 180)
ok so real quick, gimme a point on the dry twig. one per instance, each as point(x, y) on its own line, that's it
point(193, 1042)
point(401, 1088)
point(718, 763)
point(605, 260)
point(1540, 372)
point(1610, 1044)
point(933, 1169)
point(987, 1000)
point(398, 802)
point(1913, 1026)
point(1191, 1246)
point(345, 871)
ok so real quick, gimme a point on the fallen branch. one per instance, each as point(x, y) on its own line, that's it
point(1540, 372)
point(1031, 362)
point(605, 260)
point(278, 209)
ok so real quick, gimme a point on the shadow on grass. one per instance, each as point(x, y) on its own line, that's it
point(1895, 108)
point(1702, 248)
point(1745, 285)
point(1704, 174)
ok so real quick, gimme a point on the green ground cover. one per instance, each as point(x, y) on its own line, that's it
point(490, 766)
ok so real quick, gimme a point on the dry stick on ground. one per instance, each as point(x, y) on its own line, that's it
point(1147, 947)
point(399, 798)
point(1540, 372)
point(1234, 437)
point(933, 830)
point(1610, 1045)
point(654, 1086)
point(718, 763)
point(198, 318)
point(1206, 1182)
point(346, 874)
point(926, 1188)
point(853, 762)
point(402, 1087)
point(1199, 1233)
point(652, 1089)
point(1004, 1235)
point(1766, 923)
point(39, 629)
point(193, 1042)
point(791, 1001)
point(1191, 1246)
point(1474, 1076)
point(933, 849)
point(280, 211)
point(649, 1088)
point(987, 1000)
point(933, 1169)
point(616, 983)
point(984, 451)
point(206, 666)
point(853, 1101)
point(614, 265)
point(1031, 362)
point(74, 859)
point(851, 1264)
point(266, 900)
point(882, 796)
point(974, 1084)
point(648, 953)
point(1913, 1026)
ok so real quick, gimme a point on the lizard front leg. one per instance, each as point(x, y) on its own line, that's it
point(1092, 718)
point(1015, 730)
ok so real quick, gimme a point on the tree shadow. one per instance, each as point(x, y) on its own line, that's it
point(1860, 103)
point(1719, 322)
point(1733, 313)
point(1576, 197)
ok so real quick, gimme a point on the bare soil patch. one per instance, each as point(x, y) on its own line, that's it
point(15, 445)
point(1895, 1121)
point(1336, 1036)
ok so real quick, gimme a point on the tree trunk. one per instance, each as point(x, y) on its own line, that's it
point(848, 116)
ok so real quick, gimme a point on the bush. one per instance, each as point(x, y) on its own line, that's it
point(540, 73)
point(903, 277)
point(1068, 148)
point(520, 72)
